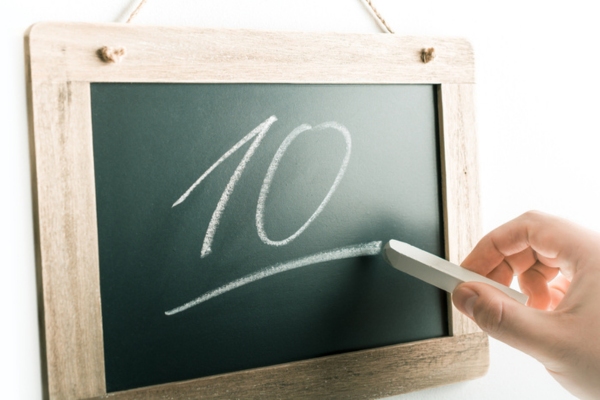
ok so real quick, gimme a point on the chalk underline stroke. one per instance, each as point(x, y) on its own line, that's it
point(358, 250)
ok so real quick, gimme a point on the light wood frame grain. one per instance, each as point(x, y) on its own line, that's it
point(63, 61)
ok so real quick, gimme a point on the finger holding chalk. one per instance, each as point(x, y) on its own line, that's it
point(437, 271)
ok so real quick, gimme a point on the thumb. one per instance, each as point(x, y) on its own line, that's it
point(505, 319)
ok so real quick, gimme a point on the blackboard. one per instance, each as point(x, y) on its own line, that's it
point(365, 156)
point(130, 160)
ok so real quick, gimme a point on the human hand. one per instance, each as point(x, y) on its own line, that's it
point(560, 327)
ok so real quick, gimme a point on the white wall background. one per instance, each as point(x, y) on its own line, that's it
point(537, 106)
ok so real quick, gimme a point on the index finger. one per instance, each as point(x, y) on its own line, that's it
point(554, 241)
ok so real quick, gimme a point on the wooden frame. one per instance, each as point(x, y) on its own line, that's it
point(63, 60)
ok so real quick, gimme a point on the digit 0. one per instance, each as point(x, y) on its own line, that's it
point(264, 190)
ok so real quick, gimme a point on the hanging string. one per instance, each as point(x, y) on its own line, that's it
point(136, 11)
point(378, 16)
point(369, 3)
point(115, 54)
point(427, 54)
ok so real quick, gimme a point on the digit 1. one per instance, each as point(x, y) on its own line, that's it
point(259, 132)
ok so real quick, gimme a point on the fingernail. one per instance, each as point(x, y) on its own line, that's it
point(465, 299)
point(470, 304)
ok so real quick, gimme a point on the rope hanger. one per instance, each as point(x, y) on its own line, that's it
point(136, 11)
point(114, 55)
point(369, 4)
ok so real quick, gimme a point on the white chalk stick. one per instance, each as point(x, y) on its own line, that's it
point(436, 271)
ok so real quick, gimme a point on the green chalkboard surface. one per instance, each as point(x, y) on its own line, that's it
point(240, 224)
